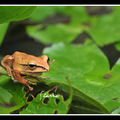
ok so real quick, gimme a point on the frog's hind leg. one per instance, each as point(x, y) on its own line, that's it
point(7, 62)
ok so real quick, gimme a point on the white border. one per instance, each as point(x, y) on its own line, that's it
point(59, 114)
point(59, 5)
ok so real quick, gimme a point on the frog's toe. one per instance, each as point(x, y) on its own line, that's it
point(31, 88)
point(34, 83)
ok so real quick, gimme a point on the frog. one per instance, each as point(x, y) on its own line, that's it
point(20, 63)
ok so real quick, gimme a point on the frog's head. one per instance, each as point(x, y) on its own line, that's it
point(39, 64)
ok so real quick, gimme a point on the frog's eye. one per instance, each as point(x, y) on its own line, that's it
point(48, 60)
point(31, 65)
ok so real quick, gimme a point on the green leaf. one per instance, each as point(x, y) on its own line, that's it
point(116, 111)
point(3, 70)
point(106, 28)
point(89, 73)
point(11, 96)
point(83, 64)
point(117, 46)
point(110, 98)
point(59, 32)
point(3, 29)
point(80, 106)
point(39, 106)
point(42, 12)
point(15, 13)
point(54, 33)
point(78, 14)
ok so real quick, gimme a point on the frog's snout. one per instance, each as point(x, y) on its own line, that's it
point(48, 69)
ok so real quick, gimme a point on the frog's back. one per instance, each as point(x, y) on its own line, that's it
point(17, 53)
point(20, 57)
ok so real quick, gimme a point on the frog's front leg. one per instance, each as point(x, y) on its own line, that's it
point(22, 80)
point(7, 62)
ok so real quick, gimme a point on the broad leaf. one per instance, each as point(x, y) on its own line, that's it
point(116, 111)
point(83, 64)
point(54, 33)
point(42, 12)
point(59, 32)
point(11, 95)
point(15, 13)
point(106, 28)
point(89, 72)
point(46, 103)
point(3, 29)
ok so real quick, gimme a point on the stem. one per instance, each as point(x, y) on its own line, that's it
point(3, 71)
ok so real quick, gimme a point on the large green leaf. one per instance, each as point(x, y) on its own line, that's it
point(42, 12)
point(11, 95)
point(89, 73)
point(81, 106)
point(59, 32)
point(15, 13)
point(106, 28)
point(3, 29)
point(54, 33)
point(116, 111)
point(78, 14)
point(54, 103)
point(77, 62)
point(37, 106)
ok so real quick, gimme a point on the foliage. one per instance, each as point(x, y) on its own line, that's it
point(14, 13)
point(106, 30)
point(11, 96)
point(3, 28)
point(46, 103)
point(95, 86)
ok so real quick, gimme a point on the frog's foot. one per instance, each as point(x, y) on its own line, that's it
point(10, 74)
point(12, 77)
point(44, 77)
point(31, 88)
